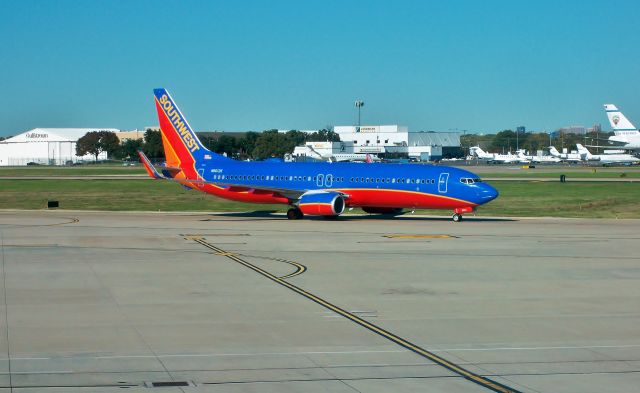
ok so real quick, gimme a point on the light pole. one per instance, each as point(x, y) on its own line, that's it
point(359, 104)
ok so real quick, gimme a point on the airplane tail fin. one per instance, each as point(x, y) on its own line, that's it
point(478, 152)
point(553, 151)
point(619, 122)
point(182, 148)
point(583, 151)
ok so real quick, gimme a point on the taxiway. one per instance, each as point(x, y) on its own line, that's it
point(204, 302)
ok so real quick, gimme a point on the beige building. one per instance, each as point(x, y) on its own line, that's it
point(129, 135)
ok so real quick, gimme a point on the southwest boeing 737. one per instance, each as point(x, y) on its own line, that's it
point(319, 189)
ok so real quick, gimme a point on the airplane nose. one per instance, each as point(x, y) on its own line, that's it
point(487, 193)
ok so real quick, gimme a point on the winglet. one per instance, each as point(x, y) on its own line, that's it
point(148, 166)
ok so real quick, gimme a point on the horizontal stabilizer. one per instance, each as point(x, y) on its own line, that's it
point(151, 170)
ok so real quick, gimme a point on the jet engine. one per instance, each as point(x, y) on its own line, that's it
point(322, 203)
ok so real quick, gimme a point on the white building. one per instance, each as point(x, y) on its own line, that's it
point(46, 146)
point(397, 139)
point(333, 151)
point(321, 150)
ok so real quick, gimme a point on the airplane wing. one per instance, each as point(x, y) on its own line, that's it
point(291, 194)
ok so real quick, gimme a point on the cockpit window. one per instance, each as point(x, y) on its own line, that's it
point(466, 180)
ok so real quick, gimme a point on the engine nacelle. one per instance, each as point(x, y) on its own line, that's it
point(322, 204)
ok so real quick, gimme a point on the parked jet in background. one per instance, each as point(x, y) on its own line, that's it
point(536, 159)
point(321, 189)
point(309, 151)
point(494, 157)
point(569, 157)
point(607, 158)
point(626, 135)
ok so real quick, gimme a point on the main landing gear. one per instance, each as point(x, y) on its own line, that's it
point(457, 217)
point(294, 214)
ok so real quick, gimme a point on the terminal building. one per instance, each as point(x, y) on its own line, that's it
point(46, 146)
point(389, 139)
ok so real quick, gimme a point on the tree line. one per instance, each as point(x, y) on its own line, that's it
point(249, 145)
point(271, 143)
point(509, 140)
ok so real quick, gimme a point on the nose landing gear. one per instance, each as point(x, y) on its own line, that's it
point(458, 211)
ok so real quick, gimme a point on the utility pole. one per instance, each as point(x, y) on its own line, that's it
point(359, 104)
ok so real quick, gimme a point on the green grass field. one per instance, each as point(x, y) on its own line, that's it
point(583, 174)
point(485, 171)
point(517, 198)
point(86, 170)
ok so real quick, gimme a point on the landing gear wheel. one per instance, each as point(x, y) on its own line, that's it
point(294, 214)
point(457, 217)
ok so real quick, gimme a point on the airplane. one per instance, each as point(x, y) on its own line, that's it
point(569, 157)
point(536, 159)
point(494, 157)
point(607, 159)
point(312, 189)
point(626, 135)
point(309, 151)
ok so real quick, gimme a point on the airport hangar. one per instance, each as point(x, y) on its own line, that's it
point(391, 139)
point(52, 146)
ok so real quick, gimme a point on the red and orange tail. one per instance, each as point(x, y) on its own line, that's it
point(182, 148)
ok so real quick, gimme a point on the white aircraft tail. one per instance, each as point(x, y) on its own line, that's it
point(584, 152)
point(619, 122)
point(553, 151)
point(478, 152)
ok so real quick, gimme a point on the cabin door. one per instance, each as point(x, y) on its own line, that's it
point(201, 175)
point(442, 183)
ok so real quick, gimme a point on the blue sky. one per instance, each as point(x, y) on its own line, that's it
point(481, 66)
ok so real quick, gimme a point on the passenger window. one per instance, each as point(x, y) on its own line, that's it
point(393, 180)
